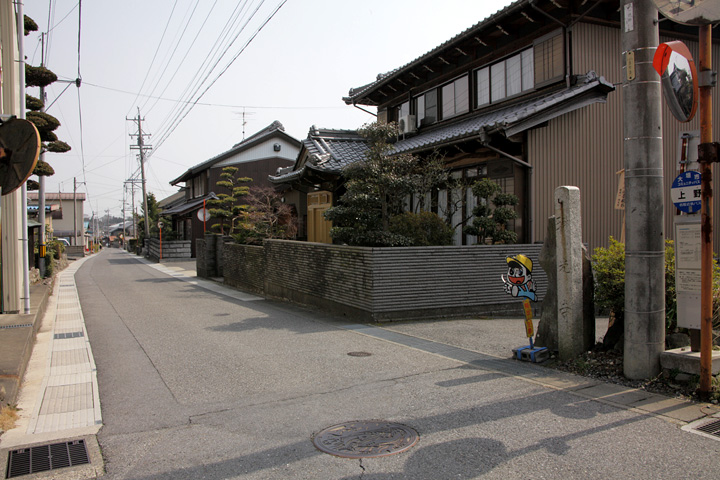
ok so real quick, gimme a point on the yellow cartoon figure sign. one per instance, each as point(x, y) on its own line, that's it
point(519, 282)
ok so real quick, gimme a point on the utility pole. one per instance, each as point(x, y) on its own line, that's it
point(10, 203)
point(75, 184)
point(142, 147)
point(132, 182)
point(645, 239)
point(41, 179)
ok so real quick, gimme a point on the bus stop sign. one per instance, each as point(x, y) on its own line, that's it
point(685, 192)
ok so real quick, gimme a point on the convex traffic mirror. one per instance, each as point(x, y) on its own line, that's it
point(673, 62)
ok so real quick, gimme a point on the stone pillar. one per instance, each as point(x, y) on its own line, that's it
point(210, 255)
point(569, 272)
point(547, 334)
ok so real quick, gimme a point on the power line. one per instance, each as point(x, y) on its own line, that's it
point(211, 61)
point(167, 24)
point(224, 105)
point(177, 122)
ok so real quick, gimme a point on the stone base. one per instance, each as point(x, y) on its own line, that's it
point(687, 361)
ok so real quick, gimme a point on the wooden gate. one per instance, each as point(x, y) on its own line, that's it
point(318, 227)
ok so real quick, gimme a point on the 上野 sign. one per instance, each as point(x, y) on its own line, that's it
point(686, 192)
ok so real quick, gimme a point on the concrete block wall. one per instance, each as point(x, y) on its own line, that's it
point(383, 283)
point(175, 249)
point(244, 267)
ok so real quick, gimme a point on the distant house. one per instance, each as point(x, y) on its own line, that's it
point(67, 215)
point(315, 180)
point(527, 97)
point(256, 157)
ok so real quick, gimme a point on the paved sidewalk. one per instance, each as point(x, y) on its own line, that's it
point(59, 394)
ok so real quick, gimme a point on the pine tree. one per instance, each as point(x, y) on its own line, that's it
point(45, 123)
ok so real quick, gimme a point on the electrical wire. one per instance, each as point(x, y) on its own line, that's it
point(164, 136)
point(224, 105)
point(182, 61)
point(176, 42)
point(167, 24)
point(232, 29)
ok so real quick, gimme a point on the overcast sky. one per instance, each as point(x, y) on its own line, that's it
point(161, 55)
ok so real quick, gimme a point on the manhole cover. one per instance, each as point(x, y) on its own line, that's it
point(365, 439)
point(359, 354)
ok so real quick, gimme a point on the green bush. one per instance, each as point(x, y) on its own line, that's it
point(609, 271)
point(423, 229)
point(49, 263)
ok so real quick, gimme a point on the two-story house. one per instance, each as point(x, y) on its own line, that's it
point(530, 97)
point(256, 157)
point(67, 213)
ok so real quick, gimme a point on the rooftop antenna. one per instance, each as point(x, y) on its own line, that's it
point(244, 121)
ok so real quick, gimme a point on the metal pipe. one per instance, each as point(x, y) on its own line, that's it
point(706, 252)
point(366, 111)
point(23, 194)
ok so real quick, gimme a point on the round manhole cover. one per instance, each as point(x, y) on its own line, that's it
point(359, 354)
point(365, 439)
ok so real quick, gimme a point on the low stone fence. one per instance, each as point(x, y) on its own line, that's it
point(75, 251)
point(171, 250)
point(381, 284)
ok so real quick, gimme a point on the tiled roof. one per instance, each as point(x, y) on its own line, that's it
point(190, 205)
point(514, 118)
point(56, 196)
point(325, 150)
point(357, 93)
point(275, 128)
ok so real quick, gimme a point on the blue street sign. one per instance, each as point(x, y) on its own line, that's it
point(685, 192)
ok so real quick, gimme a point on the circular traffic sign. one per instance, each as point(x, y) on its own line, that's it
point(203, 214)
point(685, 192)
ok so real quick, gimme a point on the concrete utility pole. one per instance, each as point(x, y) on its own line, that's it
point(41, 179)
point(142, 147)
point(645, 238)
point(11, 203)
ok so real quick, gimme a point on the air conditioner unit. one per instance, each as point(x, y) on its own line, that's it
point(407, 124)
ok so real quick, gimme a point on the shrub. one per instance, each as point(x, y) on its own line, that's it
point(423, 229)
point(491, 223)
point(609, 271)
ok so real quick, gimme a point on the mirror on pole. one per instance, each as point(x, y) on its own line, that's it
point(694, 12)
point(673, 62)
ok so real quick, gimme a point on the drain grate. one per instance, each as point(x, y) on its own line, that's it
point(365, 439)
point(359, 354)
point(712, 428)
point(46, 457)
point(24, 325)
point(60, 336)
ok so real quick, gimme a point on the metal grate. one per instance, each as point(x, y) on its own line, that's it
point(359, 354)
point(25, 325)
point(712, 428)
point(60, 336)
point(46, 457)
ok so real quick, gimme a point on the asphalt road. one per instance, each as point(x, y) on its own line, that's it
point(196, 385)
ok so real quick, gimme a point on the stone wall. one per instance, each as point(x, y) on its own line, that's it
point(244, 267)
point(171, 250)
point(382, 284)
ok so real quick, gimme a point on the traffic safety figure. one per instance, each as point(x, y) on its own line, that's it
point(519, 281)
